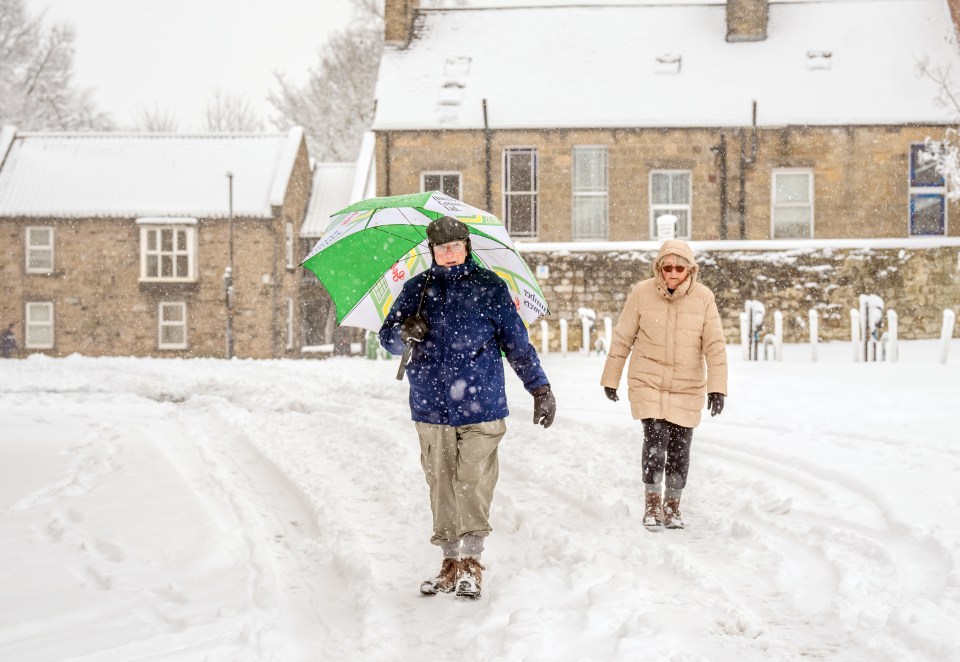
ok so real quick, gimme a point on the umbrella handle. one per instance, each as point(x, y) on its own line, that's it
point(404, 360)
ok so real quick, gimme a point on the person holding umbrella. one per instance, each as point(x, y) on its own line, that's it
point(459, 318)
point(9, 342)
point(670, 328)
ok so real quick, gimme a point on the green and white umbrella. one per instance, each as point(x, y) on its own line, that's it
point(371, 248)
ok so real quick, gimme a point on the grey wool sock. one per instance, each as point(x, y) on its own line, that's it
point(451, 549)
point(672, 493)
point(472, 545)
point(652, 487)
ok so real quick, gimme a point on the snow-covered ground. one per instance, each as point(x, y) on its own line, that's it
point(275, 510)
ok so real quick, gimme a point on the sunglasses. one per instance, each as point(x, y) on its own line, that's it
point(667, 268)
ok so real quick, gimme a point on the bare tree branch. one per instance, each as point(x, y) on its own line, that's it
point(36, 75)
point(231, 113)
point(335, 103)
point(156, 120)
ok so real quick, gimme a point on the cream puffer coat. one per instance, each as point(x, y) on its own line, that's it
point(675, 343)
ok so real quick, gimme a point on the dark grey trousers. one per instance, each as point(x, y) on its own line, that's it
point(666, 446)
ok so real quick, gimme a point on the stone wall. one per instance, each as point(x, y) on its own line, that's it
point(918, 283)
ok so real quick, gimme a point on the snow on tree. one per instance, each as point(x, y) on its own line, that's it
point(945, 154)
point(36, 75)
point(335, 104)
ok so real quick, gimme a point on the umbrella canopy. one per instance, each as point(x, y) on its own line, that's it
point(371, 248)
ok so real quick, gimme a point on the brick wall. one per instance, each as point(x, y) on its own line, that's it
point(860, 174)
point(918, 283)
point(102, 308)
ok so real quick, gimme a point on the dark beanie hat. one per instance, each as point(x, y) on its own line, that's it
point(446, 229)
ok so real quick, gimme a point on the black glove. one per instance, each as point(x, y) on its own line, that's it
point(413, 329)
point(544, 406)
point(715, 403)
point(611, 393)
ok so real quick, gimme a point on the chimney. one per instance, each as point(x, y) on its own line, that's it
point(747, 20)
point(955, 12)
point(398, 21)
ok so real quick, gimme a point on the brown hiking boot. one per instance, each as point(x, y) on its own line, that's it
point(445, 581)
point(470, 579)
point(671, 514)
point(653, 512)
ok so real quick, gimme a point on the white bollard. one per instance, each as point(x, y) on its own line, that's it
point(563, 337)
point(778, 335)
point(855, 334)
point(608, 331)
point(544, 337)
point(814, 334)
point(744, 337)
point(585, 335)
point(946, 333)
point(893, 348)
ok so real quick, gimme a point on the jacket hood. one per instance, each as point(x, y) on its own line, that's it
point(681, 249)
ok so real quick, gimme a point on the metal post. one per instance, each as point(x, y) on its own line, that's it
point(228, 273)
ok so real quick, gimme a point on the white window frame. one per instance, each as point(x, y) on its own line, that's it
point(443, 174)
point(30, 324)
point(533, 193)
point(774, 173)
point(30, 249)
point(289, 344)
point(671, 207)
point(289, 246)
point(927, 190)
point(601, 192)
point(162, 322)
point(158, 226)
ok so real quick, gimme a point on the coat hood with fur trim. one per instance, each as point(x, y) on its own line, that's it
point(681, 249)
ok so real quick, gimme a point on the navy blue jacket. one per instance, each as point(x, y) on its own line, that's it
point(456, 373)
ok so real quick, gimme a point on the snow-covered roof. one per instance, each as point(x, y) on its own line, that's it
point(637, 65)
point(330, 192)
point(123, 175)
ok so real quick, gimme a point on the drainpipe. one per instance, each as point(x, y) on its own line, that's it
point(487, 141)
point(721, 152)
point(277, 233)
point(386, 164)
point(744, 162)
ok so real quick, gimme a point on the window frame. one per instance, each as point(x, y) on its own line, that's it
point(161, 323)
point(148, 225)
point(29, 324)
point(29, 248)
point(671, 206)
point(534, 193)
point(289, 245)
point(576, 193)
point(811, 178)
point(442, 174)
point(917, 191)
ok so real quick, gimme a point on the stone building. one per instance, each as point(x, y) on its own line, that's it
point(747, 120)
point(118, 244)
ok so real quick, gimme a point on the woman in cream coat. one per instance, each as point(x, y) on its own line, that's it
point(670, 328)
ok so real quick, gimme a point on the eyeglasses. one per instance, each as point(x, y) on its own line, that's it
point(451, 247)
point(667, 268)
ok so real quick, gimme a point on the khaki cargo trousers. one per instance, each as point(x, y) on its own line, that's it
point(461, 468)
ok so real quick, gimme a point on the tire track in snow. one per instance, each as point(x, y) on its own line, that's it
point(281, 527)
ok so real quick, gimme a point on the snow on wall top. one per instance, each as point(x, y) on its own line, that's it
point(824, 63)
point(332, 184)
point(124, 175)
